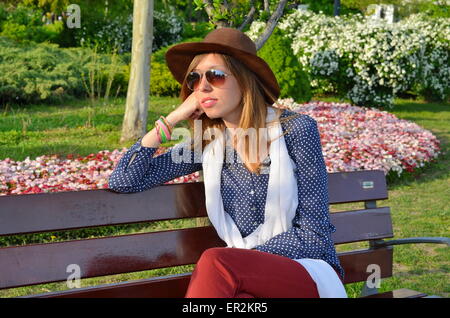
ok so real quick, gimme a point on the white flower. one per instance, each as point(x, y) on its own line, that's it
point(414, 51)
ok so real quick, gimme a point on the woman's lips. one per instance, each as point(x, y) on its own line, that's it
point(209, 103)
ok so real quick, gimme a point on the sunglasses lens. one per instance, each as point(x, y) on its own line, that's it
point(192, 80)
point(215, 77)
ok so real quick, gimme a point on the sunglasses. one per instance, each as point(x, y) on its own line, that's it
point(214, 77)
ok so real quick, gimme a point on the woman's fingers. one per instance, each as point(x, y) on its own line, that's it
point(196, 114)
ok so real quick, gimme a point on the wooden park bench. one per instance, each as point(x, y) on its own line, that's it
point(44, 263)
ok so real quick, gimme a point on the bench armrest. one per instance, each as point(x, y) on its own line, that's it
point(411, 240)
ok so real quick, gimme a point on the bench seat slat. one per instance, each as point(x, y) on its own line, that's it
point(44, 263)
point(175, 286)
point(398, 293)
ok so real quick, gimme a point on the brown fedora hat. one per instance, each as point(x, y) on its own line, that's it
point(227, 41)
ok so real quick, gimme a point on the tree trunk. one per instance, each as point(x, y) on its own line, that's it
point(135, 119)
point(337, 7)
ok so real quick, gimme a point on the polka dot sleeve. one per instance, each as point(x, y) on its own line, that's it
point(310, 235)
point(138, 170)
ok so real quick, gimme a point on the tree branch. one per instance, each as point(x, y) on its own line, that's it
point(209, 8)
point(271, 24)
point(249, 17)
point(266, 6)
point(293, 5)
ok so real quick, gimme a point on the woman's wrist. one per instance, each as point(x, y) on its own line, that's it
point(152, 139)
point(173, 119)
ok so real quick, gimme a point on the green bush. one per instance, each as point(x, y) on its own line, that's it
point(44, 72)
point(33, 74)
point(3, 14)
point(371, 63)
point(196, 30)
point(293, 80)
point(21, 32)
point(102, 74)
point(25, 24)
point(162, 82)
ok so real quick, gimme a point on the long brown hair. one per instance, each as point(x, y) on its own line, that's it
point(255, 100)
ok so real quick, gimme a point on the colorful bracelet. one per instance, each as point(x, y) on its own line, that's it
point(157, 132)
point(164, 130)
point(169, 126)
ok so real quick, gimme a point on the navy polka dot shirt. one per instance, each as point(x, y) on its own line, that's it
point(244, 193)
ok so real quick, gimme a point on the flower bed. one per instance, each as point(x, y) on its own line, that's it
point(54, 174)
point(360, 138)
point(353, 138)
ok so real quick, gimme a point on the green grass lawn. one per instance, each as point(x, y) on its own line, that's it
point(420, 205)
point(76, 127)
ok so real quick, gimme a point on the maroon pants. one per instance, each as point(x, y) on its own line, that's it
point(241, 273)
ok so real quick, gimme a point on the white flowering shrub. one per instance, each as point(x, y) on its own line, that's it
point(256, 28)
point(168, 29)
point(117, 33)
point(371, 62)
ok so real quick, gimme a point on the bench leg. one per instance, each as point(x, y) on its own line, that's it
point(367, 291)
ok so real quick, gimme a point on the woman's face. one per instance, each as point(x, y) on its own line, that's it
point(227, 97)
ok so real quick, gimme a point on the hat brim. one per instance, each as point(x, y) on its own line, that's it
point(179, 56)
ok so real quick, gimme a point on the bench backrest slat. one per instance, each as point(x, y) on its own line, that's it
point(44, 212)
point(357, 186)
point(362, 225)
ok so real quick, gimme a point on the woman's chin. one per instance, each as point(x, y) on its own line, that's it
point(212, 115)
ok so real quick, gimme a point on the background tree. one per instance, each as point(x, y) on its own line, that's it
point(337, 7)
point(135, 119)
point(239, 14)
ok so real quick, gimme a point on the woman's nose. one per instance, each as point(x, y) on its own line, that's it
point(204, 84)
